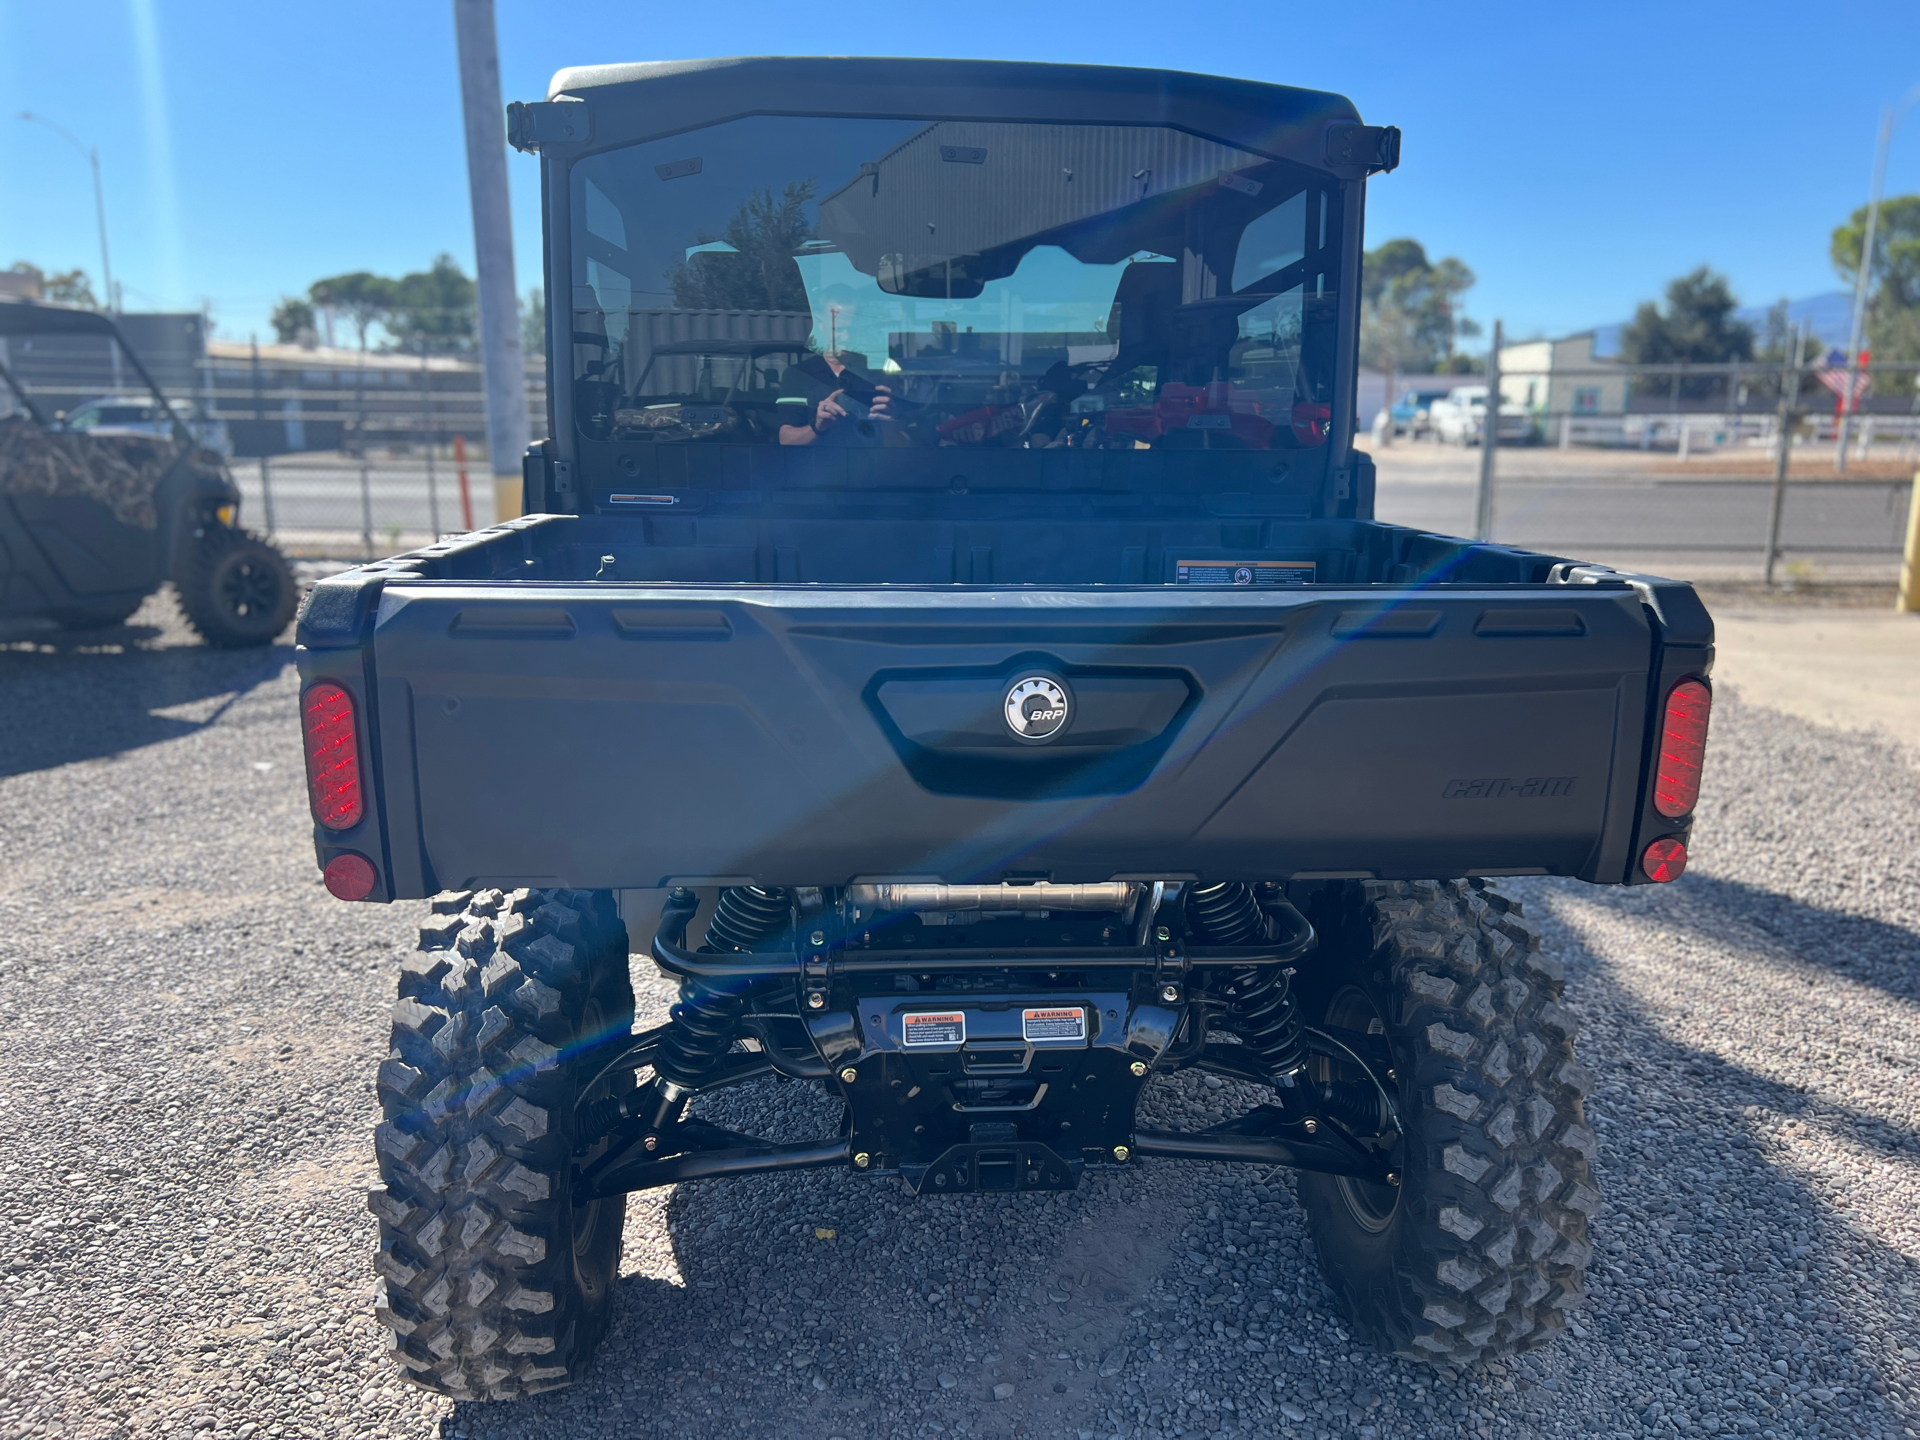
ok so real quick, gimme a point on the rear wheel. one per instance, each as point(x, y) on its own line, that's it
point(494, 1284)
point(1482, 1245)
point(236, 589)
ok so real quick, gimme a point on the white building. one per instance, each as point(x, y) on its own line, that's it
point(1556, 378)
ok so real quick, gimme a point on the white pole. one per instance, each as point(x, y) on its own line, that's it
point(1489, 442)
point(493, 249)
point(1889, 117)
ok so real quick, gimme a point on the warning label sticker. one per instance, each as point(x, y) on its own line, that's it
point(1068, 1022)
point(934, 1029)
point(1243, 572)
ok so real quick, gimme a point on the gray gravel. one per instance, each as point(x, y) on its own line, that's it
point(190, 1028)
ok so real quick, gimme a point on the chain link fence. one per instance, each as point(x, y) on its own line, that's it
point(1688, 469)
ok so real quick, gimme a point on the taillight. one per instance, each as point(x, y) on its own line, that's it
point(333, 755)
point(1665, 860)
point(1683, 742)
point(349, 877)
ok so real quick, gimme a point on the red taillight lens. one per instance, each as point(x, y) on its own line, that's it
point(1683, 742)
point(349, 877)
point(1664, 861)
point(333, 755)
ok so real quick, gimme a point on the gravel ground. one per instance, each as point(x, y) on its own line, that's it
point(190, 1029)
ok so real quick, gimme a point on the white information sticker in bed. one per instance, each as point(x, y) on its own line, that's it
point(1243, 572)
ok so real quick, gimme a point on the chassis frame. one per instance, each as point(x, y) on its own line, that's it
point(1168, 987)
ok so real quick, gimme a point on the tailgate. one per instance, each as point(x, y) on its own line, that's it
point(639, 736)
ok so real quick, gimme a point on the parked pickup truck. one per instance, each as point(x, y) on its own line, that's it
point(1461, 415)
point(950, 613)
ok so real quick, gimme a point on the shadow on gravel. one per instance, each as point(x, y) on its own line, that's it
point(1864, 949)
point(72, 696)
point(1732, 1293)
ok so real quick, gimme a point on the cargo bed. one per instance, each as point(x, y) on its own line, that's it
point(1420, 707)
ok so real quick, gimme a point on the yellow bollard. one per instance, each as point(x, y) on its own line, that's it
point(1909, 598)
point(507, 491)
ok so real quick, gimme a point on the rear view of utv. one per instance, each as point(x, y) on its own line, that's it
point(949, 624)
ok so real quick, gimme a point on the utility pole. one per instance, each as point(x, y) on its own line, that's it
point(1489, 442)
point(1789, 398)
point(1889, 117)
point(112, 296)
point(506, 379)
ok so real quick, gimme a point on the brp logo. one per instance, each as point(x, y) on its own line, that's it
point(1037, 708)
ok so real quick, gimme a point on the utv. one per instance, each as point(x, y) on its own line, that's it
point(92, 523)
point(950, 621)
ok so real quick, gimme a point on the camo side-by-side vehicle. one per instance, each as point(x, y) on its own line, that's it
point(93, 523)
point(950, 625)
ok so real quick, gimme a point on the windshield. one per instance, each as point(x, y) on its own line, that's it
point(832, 282)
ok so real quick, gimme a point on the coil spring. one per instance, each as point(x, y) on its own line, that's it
point(1225, 912)
point(706, 1022)
point(747, 915)
point(1266, 1017)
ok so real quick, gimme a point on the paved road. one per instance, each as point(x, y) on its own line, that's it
point(1620, 510)
point(189, 1028)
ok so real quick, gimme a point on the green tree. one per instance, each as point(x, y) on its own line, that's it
point(293, 321)
point(62, 287)
point(1410, 308)
point(757, 272)
point(1695, 327)
point(1893, 293)
point(533, 322)
point(432, 309)
point(364, 298)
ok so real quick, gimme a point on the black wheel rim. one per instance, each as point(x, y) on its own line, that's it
point(1371, 1207)
point(248, 590)
point(586, 1218)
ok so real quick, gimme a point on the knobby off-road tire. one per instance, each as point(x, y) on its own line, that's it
point(1483, 1246)
point(492, 1282)
point(235, 588)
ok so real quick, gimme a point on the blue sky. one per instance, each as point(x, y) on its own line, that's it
point(1576, 157)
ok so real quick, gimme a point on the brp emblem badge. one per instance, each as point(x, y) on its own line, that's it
point(1037, 708)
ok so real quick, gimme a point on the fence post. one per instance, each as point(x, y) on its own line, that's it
point(260, 418)
point(1566, 432)
point(1686, 439)
point(1489, 442)
point(366, 483)
point(426, 406)
point(1789, 397)
point(1908, 601)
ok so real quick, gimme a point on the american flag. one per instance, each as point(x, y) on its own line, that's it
point(1833, 375)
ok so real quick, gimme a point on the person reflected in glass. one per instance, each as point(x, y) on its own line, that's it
point(829, 395)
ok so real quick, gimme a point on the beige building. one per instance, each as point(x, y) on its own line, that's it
point(1555, 378)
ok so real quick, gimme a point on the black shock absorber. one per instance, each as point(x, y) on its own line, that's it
point(1266, 1017)
point(706, 1021)
point(1262, 1011)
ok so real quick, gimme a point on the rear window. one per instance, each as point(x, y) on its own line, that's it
point(784, 281)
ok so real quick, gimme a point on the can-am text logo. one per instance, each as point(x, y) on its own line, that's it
point(1036, 708)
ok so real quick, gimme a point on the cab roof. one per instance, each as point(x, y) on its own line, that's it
point(643, 100)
